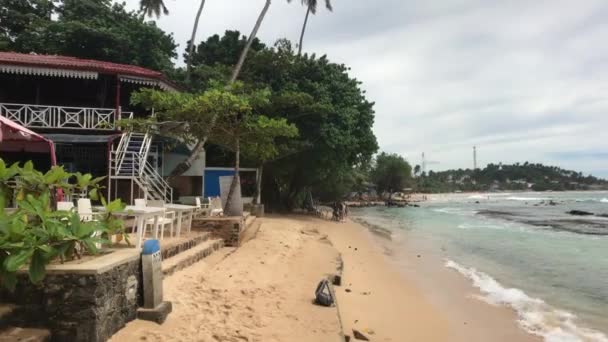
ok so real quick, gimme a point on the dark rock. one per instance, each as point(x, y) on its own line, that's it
point(418, 255)
point(355, 248)
point(579, 213)
point(347, 290)
point(359, 336)
point(476, 202)
point(336, 279)
point(346, 338)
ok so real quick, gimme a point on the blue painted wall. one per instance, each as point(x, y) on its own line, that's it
point(212, 181)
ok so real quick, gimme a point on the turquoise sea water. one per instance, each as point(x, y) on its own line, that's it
point(521, 250)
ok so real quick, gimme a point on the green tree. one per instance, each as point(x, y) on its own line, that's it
point(96, 29)
point(311, 7)
point(417, 169)
point(327, 105)
point(237, 124)
point(391, 173)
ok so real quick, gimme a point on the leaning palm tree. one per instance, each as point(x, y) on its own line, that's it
point(153, 7)
point(192, 38)
point(254, 32)
point(311, 8)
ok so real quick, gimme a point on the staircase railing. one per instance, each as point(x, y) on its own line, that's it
point(157, 183)
point(140, 171)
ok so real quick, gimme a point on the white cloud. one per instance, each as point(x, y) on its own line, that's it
point(522, 80)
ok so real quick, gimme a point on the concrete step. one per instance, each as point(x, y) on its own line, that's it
point(14, 334)
point(174, 248)
point(191, 256)
point(6, 310)
point(249, 221)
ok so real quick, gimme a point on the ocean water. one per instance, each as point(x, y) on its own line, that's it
point(522, 250)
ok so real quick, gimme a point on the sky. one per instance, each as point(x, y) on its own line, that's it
point(521, 80)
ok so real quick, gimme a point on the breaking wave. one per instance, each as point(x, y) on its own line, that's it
point(515, 198)
point(534, 315)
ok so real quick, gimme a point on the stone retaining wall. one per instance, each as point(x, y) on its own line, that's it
point(80, 304)
point(226, 228)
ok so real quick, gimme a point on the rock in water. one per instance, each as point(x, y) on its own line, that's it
point(579, 213)
point(359, 336)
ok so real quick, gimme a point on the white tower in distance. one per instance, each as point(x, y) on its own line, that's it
point(474, 157)
point(423, 163)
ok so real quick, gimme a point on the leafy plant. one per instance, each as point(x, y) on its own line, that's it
point(35, 233)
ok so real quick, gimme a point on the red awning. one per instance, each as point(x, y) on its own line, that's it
point(16, 138)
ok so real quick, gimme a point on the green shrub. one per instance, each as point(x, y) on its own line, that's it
point(35, 233)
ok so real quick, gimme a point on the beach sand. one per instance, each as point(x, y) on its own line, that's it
point(264, 290)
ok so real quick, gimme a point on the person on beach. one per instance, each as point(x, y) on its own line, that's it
point(336, 212)
point(345, 212)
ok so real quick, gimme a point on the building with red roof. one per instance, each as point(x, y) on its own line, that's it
point(76, 103)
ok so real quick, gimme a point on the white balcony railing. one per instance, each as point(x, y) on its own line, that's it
point(40, 116)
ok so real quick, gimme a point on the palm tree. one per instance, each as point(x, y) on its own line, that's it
point(254, 32)
point(311, 8)
point(153, 7)
point(192, 38)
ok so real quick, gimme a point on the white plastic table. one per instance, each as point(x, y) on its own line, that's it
point(142, 214)
point(181, 210)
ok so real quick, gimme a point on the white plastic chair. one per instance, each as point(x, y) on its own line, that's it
point(65, 206)
point(167, 220)
point(140, 202)
point(215, 206)
point(201, 208)
point(85, 210)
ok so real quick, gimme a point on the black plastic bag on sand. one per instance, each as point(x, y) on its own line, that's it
point(323, 294)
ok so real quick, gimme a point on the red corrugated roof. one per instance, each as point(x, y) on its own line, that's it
point(73, 63)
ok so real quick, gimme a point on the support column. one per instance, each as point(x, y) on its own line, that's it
point(117, 100)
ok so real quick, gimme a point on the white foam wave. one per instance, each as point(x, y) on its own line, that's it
point(515, 198)
point(455, 211)
point(477, 197)
point(479, 226)
point(604, 200)
point(534, 315)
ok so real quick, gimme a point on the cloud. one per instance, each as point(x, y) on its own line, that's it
point(520, 79)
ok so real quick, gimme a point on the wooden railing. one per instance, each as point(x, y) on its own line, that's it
point(40, 116)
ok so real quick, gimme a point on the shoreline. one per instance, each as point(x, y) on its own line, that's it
point(429, 261)
point(263, 291)
point(452, 299)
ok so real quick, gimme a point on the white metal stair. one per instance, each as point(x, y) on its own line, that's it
point(130, 161)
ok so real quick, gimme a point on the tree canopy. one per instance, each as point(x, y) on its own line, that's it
point(391, 173)
point(518, 176)
point(326, 104)
point(96, 29)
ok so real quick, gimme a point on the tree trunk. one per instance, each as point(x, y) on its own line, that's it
point(192, 38)
point(186, 164)
point(254, 32)
point(257, 197)
point(235, 180)
point(303, 30)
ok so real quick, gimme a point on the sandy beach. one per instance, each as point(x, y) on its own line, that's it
point(264, 291)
